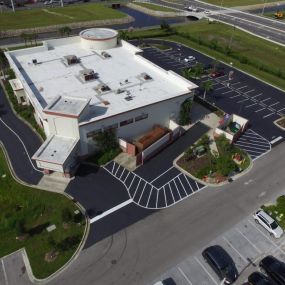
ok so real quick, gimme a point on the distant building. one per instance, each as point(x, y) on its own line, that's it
point(83, 85)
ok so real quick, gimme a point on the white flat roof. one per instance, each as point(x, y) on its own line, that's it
point(16, 84)
point(65, 105)
point(56, 149)
point(124, 70)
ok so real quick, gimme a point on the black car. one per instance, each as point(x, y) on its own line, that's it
point(274, 268)
point(257, 278)
point(221, 263)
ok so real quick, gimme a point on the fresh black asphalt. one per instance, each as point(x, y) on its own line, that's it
point(16, 152)
point(268, 96)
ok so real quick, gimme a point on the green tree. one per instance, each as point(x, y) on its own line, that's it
point(64, 31)
point(186, 72)
point(124, 35)
point(197, 70)
point(106, 140)
point(165, 26)
point(207, 86)
point(184, 114)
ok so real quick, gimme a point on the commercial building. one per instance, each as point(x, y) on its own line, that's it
point(83, 85)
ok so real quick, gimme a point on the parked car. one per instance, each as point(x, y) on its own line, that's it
point(268, 223)
point(168, 281)
point(221, 262)
point(189, 58)
point(207, 12)
point(216, 74)
point(274, 268)
point(257, 278)
point(51, 2)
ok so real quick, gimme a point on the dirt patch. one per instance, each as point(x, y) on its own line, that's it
point(51, 256)
point(194, 165)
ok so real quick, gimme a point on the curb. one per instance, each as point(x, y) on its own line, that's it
point(82, 242)
point(277, 125)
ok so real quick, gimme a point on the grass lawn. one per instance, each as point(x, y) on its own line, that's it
point(25, 212)
point(155, 7)
point(58, 15)
point(251, 54)
point(235, 3)
point(277, 211)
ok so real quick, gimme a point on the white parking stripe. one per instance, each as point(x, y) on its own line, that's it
point(231, 245)
point(156, 198)
point(251, 243)
point(149, 196)
point(4, 272)
point(274, 104)
point(177, 189)
point(132, 182)
point(249, 91)
point(137, 188)
point(281, 109)
point(228, 91)
point(235, 96)
point(184, 275)
point(276, 140)
point(236, 83)
point(182, 185)
point(221, 87)
point(268, 115)
point(205, 269)
point(126, 177)
point(255, 96)
point(113, 166)
point(243, 100)
point(250, 105)
point(117, 169)
point(122, 173)
point(142, 193)
point(189, 183)
point(265, 99)
point(259, 110)
point(171, 192)
point(253, 142)
point(165, 196)
point(197, 185)
point(160, 175)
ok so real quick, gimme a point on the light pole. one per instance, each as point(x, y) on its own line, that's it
point(265, 1)
point(13, 7)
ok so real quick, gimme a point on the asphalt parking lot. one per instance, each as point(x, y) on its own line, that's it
point(242, 94)
point(247, 243)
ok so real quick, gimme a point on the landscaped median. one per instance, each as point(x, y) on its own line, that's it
point(277, 210)
point(26, 215)
point(210, 166)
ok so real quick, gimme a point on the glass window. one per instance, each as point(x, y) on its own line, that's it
point(126, 122)
point(110, 127)
point(93, 133)
point(141, 117)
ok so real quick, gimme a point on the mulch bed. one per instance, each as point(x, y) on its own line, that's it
point(193, 166)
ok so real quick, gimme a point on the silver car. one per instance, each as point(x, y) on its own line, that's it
point(268, 223)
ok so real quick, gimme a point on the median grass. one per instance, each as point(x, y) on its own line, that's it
point(277, 210)
point(25, 214)
point(155, 7)
point(251, 54)
point(59, 15)
point(235, 3)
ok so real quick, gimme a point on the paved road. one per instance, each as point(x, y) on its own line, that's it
point(24, 168)
point(260, 26)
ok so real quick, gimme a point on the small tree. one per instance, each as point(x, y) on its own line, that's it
point(106, 140)
point(198, 70)
point(184, 114)
point(124, 35)
point(165, 26)
point(207, 86)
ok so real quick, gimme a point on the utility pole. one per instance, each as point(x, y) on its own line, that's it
point(13, 7)
point(265, 1)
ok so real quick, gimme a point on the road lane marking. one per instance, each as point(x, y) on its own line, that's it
point(110, 211)
point(251, 243)
point(161, 174)
point(205, 269)
point(184, 275)
point(231, 245)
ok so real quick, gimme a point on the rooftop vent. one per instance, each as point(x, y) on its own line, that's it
point(34, 61)
point(105, 54)
point(146, 76)
point(119, 91)
point(104, 88)
point(87, 74)
point(71, 59)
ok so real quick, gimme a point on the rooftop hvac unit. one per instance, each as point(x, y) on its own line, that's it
point(104, 88)
point(71, 59)
point(34, 61)
point(146, 76)
point(87, 74)
point(105, 54)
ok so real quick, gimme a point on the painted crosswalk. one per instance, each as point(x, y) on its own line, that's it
point(254, 144)
point(148, 194)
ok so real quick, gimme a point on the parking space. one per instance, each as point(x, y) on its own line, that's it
point(152, 194)
point(242, 94)
point(254, 144)
point(247, 243)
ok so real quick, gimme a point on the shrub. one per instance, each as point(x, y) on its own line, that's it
point(109, 155)
point(184, 114)
point(66, 215)
point(225, 165)
point(204, 141)
point(106, 140)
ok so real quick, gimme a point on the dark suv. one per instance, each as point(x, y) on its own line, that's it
point(221, 263)
point(274, 268)
point(257, 278)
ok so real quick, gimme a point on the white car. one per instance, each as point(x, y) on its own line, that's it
point(268, 223)
point(207, 12)
point(190, 57)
